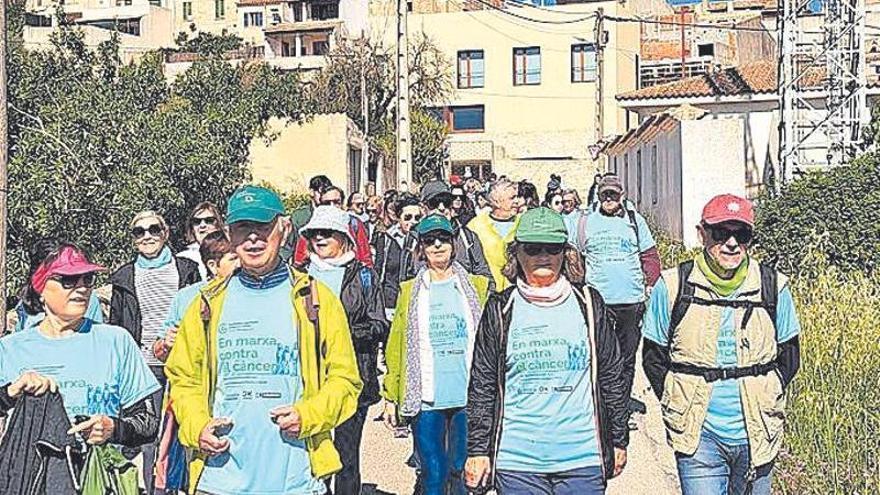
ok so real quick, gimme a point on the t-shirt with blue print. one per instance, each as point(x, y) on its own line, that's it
point(548, 423)
point(724, 416)
point(613, 265)
point(331, 276)
point(448, 334)
point(181, 302)
point(503, 227)
point(99, 369)
point(258, 370)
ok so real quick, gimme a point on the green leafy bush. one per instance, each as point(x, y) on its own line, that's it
point(836, 212)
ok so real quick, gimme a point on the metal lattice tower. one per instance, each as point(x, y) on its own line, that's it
point(822, 85)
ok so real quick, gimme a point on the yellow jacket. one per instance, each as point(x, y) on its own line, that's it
point(494, 246)
point(327, 400)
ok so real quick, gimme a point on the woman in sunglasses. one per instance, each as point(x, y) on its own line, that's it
point(97, 368)
point(553, 200)
point(332, 261)
point(389, 249)
point(546, 405)
point(143, 291)
point(204, 219)
point(429, 356)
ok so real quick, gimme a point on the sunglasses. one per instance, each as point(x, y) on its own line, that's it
point(372, 211)
point(240, 231)
point(534, 249)
point(73, 281)
point(154, 230)
point(722, 234)
point(409, 217)
point(196, 221)
point(610, 196)
point(331, 202)
point(431, 238)
point(434, 203)
point(325, 233)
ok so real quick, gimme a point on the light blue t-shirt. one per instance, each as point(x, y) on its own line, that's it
point(612, 257)
point(93, 312)
point(181, 302)
point(331, 276)
point(549, 423)
point(503, 227)
point(448, 333)
point(99, 369)
point(258, 370)
point(725, 414)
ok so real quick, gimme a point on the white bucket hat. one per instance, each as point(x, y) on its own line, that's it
point(328, 217)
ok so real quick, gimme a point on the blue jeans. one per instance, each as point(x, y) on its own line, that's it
point(580, 481)
point(440, 439)
point(721, 469)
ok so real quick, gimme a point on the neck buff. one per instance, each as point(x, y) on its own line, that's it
point(330, 263)
point(552, 295)
point(723, 286)
point(162, 259)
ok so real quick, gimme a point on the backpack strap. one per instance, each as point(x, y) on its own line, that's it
point(312, 308)
point(205, 315)
point(463, 233)
point(683, 298)
point(582, 232)
point(635, 226)
point(769, 293)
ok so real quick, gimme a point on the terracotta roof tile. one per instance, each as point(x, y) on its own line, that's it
point(753, 78)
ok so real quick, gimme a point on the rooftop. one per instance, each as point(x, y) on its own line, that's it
point(752, 78)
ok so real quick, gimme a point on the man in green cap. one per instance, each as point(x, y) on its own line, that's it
point(546, 403)
point(251, 391)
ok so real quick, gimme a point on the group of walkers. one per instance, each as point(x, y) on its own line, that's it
point(500, 329)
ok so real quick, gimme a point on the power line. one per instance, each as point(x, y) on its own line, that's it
point(733, 27)
point(531, 19)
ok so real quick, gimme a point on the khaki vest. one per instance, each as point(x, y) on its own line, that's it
point(685, 398)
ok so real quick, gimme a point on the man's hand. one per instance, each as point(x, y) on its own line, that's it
point(170, 337)
point(287, 419)
point(97, 430)
point(209, 442)
point(477, 471)
point(390, 415)
point(31, 382)
point(619, 461)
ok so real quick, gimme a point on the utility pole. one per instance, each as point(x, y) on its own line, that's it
point(682, 21)
point(599, 37)
point(404, 146)
point(365, 111)
point(4, 157)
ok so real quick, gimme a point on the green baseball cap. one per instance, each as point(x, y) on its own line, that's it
point(541, 225)
point(433, 223)
point(255, 204)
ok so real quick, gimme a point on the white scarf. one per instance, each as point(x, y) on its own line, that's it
point(546, 297)
point(330, 263)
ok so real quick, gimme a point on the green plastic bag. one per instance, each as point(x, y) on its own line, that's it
point(107, 472)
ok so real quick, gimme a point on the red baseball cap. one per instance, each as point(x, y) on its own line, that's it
point(455, 180)
point(728, 208)
point(70, 261)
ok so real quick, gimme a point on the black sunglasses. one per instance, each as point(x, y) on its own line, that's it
point(610, 195)
point(722, 234)
point(155, 230)
point(534, 249)
point(409, 216)
point(240, 231)
point(196, 221)
point(432, 237)
point(325, 233)
point(73, 281)
point(330, 202)
point(434, 203)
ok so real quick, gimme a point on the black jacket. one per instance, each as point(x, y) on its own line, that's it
point(489, 372)
point(388, 259)
point(125, 310)
point(34, 452)
point(361, 296)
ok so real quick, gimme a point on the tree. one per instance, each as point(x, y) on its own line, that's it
point(337, 88)
point(94, 141)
